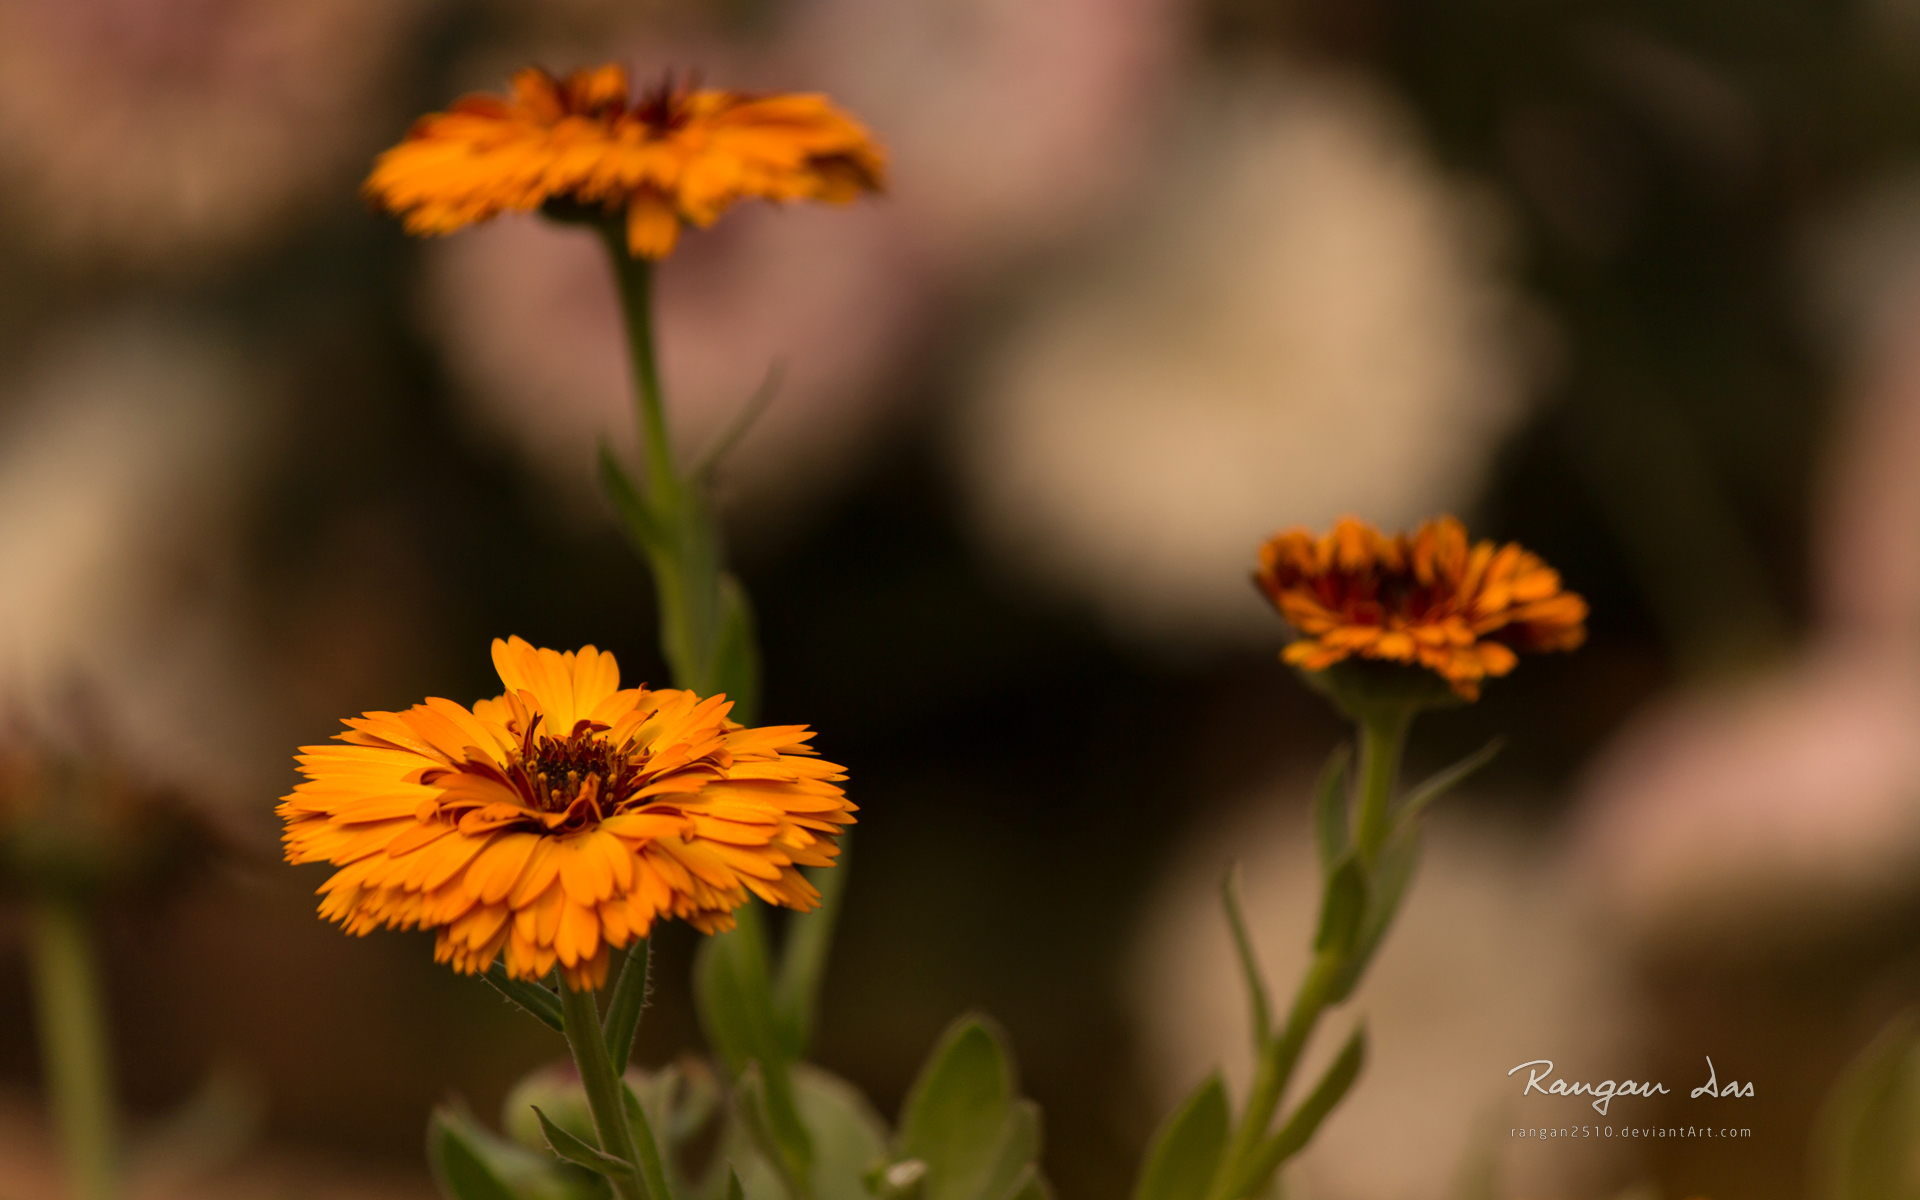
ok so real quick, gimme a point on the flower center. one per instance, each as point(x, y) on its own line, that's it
point(663, 107)
point(560, 770)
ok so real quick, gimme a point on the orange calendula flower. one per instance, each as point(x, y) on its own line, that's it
point(562, 817)
point(680, 155)
point(1429, 599)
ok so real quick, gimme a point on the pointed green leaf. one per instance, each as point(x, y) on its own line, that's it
point(803, 956)
point(1392, 875)
point(1305, 1121)
point(955, 1110)
point(648, 534)
point(734, 994)
point(537, 1001)
point(470, 1163)
point(1017, 1148)
point(629, 998)
point(1250, 976)
point(1445, 781)
point(1185, 1152)
point(1870, 1122)
point(1031, 1185)
point(1343, 908)
point(734, 1190)
point(576, 1151)
point(459, 1167)
point(848, 1136)
point(777, 1132)
point(1332, 831)
point(750, 412)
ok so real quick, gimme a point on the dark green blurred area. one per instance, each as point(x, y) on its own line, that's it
point(1023, 773)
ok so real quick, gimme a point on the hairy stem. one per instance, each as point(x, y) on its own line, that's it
point(612, 1117)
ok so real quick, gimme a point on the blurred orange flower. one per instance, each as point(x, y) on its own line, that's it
point(562, 817)
point(680, 155)
point(1459, 610)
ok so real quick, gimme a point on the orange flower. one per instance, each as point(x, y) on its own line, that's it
point(1429, 599)
point(679, 155)
point(561, 817)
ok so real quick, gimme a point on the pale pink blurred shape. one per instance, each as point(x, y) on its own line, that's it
point(1776, 805)
point(1010, 123)
point(161, 130)
point(1772, 806)
point(124, 451)
point(1311, 321)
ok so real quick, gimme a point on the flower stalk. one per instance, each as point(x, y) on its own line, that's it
point(73, 1044)
point(1383, 739)
point(623, 1128)
point(705, 628)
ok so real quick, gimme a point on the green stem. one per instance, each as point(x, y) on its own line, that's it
point(73, 1045)
point(635, 278)
point(615, 1120)
point(1383, 738)
point(1275, 1068)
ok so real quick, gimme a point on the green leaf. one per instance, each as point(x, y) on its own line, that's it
point(576, 1151)
point(1343, 908)
point(678, 1098)
point(848, 1138)
point(1445, 781)
point(460, 1167)
point(750, 412)
point(537, 1001)
point(734, 995)
point(736, 654)
point(735, 999)
point(1016, 1149)
point(628, 1000)
point(1392, 874)
point(1300, 1128)
point(648, 533)
point(1185, 1153)
point(1030, 1185)
point(1250, 976)
point(470, 1163)
point(1871, 1120)
point(803, 956)
point(955, 1111)
point(1332, 824)
point(734, 1190)
point(773, 1120)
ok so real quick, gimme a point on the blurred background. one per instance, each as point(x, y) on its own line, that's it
point(1635, 283)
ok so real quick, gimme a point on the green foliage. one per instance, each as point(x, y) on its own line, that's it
point(533, 999)
point(624, 1006)
point(1871, 1122)
point(1442, 782)
point(1257, 1005)
point(733, 990)
point(803, 956)
point(1392, 874)
point(1342, 908)
point(1332, 825)
point(965, 1121)
point(848, 1138)
point(577, 1150)
point(1185, 1153)
point(470, 1163)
